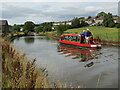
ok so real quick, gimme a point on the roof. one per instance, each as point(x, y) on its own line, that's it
point(63, 22)
point(90, 19)
point(3, 22)
point(116, 18)
point(71, 34)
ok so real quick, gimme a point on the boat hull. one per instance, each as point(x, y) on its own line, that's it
point(92, 46)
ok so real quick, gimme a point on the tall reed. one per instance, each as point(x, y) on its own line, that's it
point(18, 72)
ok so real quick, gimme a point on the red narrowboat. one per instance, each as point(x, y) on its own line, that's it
point(78, 40)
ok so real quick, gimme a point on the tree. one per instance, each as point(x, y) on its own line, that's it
point(97, 17)
point(101, 14)
point(68, 26)
point(75, 23)
point(83, 23)
point(82, 18)
point(61, 29)
point(15, 28)
point(29, 26)
point(47, 26)
point(89, 17)
point(108, 20)
point(26, 32)
point(39, 29)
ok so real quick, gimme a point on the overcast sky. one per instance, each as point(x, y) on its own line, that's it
point(38, 12)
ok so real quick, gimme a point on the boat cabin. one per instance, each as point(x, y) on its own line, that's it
point(79, 40)
point(74, 38)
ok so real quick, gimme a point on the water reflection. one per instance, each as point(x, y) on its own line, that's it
point(29, 40)
point(83, 55)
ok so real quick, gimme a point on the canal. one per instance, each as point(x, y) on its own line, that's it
point(72, 66)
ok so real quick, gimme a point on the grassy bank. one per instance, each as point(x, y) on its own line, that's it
point(107, 34)
point(18, 72)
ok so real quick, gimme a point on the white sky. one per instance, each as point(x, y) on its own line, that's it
point(38, 11)
point(60, 0)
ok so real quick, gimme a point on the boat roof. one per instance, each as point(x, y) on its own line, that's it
point(72, 34)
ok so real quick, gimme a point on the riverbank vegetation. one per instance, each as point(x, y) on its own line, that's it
point(18, 72)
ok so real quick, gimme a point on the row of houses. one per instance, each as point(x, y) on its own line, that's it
point(91, 21)
point(94, 20)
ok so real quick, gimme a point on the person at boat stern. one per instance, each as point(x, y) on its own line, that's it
point(88, 36)
point(83, 36)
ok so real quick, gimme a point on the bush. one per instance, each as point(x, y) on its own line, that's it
point(26, 32)
point(60, 29)
point(117, 25)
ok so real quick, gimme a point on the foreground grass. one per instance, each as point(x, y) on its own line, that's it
point(107, 34)
point(17, 72)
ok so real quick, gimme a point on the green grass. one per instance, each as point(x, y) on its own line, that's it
point(107, 34)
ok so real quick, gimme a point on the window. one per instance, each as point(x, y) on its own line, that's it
point(66, 37)
point(78, 39)
point(72, 38)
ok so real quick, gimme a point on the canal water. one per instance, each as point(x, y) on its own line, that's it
point(71, 66)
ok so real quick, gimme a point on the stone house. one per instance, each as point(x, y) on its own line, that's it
point(4, 27)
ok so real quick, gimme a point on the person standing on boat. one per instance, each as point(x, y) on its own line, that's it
point(88, 36)
point(83, 36)
point(83, 32)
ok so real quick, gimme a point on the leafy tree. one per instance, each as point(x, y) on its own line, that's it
point(97, 17)
point(82, 18)
point(108, 20)
point(101, 14)
point(68, 26)
point(75, 23)
point(29, 26)
point(61, 29)
point(39, 29)
point(26, 32)
point(47, 26)
point(89, 17)
point(15, 28)
point(83, 23)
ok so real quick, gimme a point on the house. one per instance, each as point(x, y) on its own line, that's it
point(116, 19)
point(21, 28)
point(99, 20)
point(61, 23)
point(4, 27)
point(90, 21)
